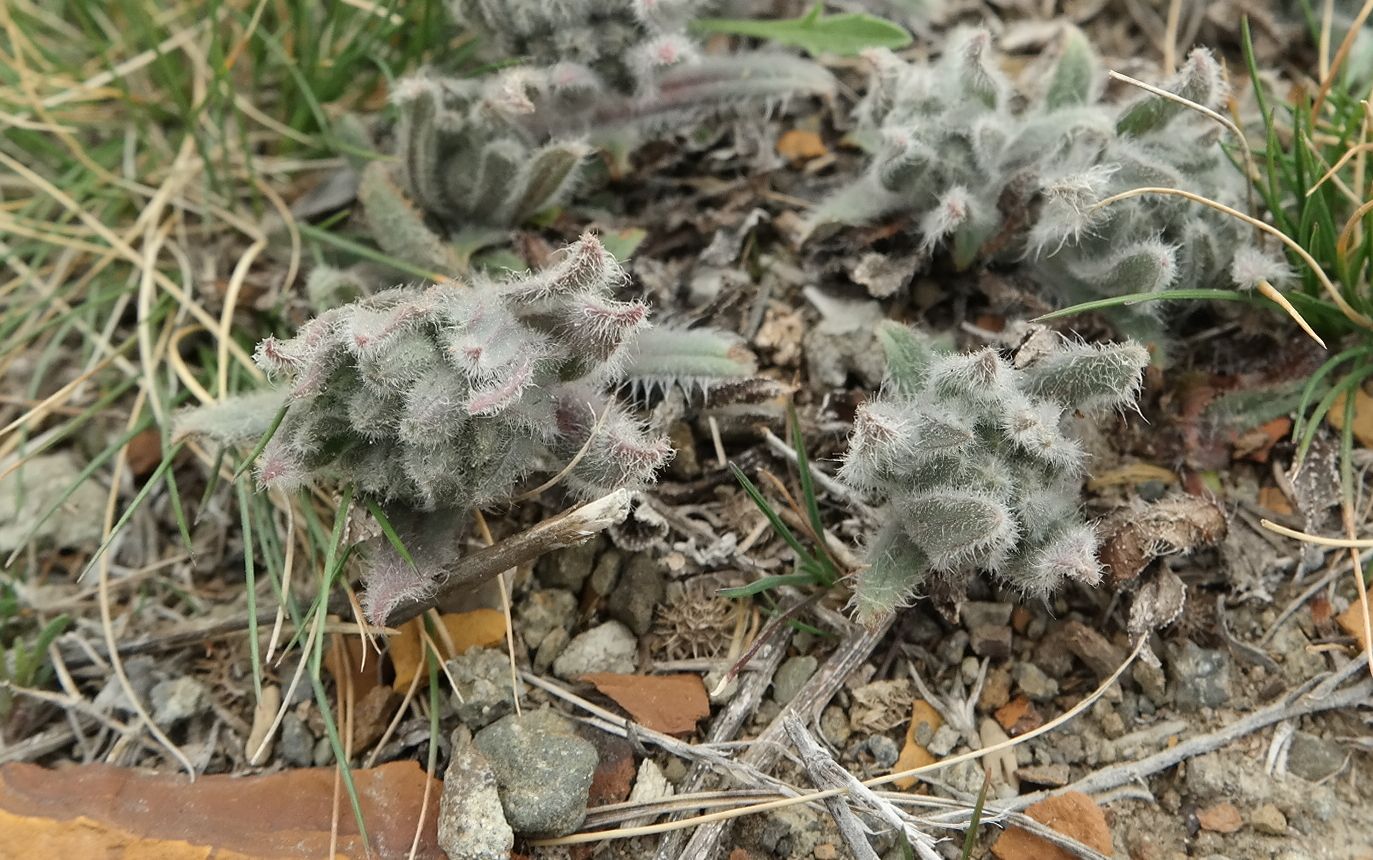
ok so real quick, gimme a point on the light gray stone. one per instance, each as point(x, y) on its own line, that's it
point(482, 689)
point(178, 699)
point(472, 823)
point(1034, 683)
point(542, 610)
point(297, 744)
point(610, 647)
point(1313, 758)
point(791, 676)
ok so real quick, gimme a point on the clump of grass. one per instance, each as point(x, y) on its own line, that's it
point(145, 149)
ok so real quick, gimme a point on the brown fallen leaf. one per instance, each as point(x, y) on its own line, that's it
point(348, 657)
point(1130, 474)
point(1257, 444)
point(670, 704)
point(913, 753)
point(144, 452)
point(1275, 500)
point(480, 628)
point(1352, 623)
point(1073, 814)
point(800, 145)
point(1221, 818)
point(97, 810)
point(1362, 427)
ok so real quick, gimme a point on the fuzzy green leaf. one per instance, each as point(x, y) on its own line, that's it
point(843, 34)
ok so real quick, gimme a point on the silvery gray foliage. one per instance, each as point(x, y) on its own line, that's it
point(994, 176)
point(487, 153)
point(432, 401)
point(606, 66)
point(448, 395)
point(975, 461)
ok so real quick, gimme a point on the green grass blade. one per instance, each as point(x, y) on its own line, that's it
point(1161, 296)
point(250, 578)
point(768, 583)
point(776, 521)
point(386, 528)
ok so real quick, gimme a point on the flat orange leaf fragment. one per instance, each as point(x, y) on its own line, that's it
point(913, 753)
point(1351, 622)
point(480, 628)
point(1220, 818)
point(96, 810)
point(799, 145)
point(1363, 416)
point(670, 704)
point(1073, 814)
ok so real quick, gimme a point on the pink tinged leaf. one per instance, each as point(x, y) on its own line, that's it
point(640, 456)
point(502, 393)
point(278, 470)
point(392, 582)
point(601, 325)
point(588, 266)
point(273, 357)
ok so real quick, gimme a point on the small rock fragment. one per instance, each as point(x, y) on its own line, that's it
point(550, 647)
point(606, 573)
point(1221, 818)
point(1269, 820)
point(991, 641)
point(472, 824)
point(43, 480)
point(1052, 775)
point(996, 689)
point(650, 785)
point(483, 692)
point(1152, 681)
point(178, 699)
point(834, 725)
point(943, 741)
point(296, 745)
point(978, 613)
point(641, 588)
point(610, 647)
point(1201, 677)
point(1034, 683)
point(1313, 758)
point(791, 676)
point(541, 611)
point(568, 568)
point(542, 769)
point(883, 750)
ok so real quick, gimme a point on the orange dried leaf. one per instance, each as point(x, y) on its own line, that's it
point(480, 628)
point(1363, 416)
point(347, 659)
point(1073, 814)
point(1352, 623)
point(800, 145)
point(97, 810)
point(670, 704)
point(913, 753)
point(1221, 818)
point(1275, 500)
